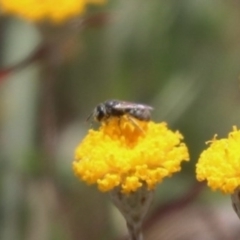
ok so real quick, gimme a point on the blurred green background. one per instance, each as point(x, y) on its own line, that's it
point(181, 57)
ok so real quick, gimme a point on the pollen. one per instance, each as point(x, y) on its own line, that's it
point(51, 10)
point(219, 164)
point(126, 155)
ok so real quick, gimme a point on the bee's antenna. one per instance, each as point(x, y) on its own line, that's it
point(89, 117)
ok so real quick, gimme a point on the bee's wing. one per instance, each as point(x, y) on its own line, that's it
point(130, 105)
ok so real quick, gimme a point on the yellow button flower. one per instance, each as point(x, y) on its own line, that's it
point(127, 155)
point(219, 165)
point(56, 11)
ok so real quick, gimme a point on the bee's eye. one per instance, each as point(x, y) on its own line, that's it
point(100, 112)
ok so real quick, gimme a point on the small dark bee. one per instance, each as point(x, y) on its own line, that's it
point(117, 108)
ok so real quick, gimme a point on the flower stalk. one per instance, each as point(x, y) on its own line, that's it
point(235, 197)
point(134, 208)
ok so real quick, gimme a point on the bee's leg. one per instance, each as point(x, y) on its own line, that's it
point(90, 123)
point(119, 124)
point(135, 123)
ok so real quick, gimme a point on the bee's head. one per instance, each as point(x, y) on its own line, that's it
point(100, 112)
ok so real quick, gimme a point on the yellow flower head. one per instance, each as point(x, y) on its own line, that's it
point(127, 155)
point(56, 11)
point(220, 163)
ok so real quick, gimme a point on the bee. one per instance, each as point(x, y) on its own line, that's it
point(116, 108)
